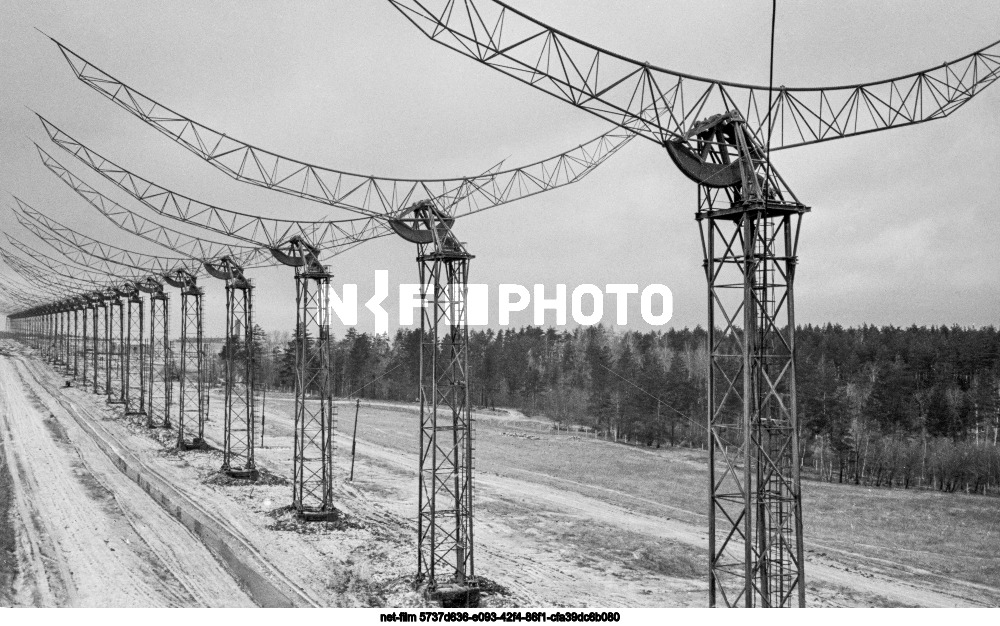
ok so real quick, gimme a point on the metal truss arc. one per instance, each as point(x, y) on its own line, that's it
point(254, 230)
point(183, 243)
point(369, 195)
point(662, 104)
point(54, 277)
point(85, 250)
point(72, 271)
point(245, 256)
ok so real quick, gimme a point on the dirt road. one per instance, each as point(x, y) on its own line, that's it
point(82, 533)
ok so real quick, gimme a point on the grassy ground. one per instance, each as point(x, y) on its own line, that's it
point(922, 533)
point(953, 535)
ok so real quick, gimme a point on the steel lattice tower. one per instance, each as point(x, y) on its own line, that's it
point(446, 463)
point(62, 338)
point(33, 332)
point(445, 554)
point(749, 224)
point(100, 322)
point(68, 337)
point(115, 337)
point(54, 352)
point(87, 309)
point(191, 403)
point(90, 340)
point(238, 435)
point(67, 341)
point(315, 419)
point(135, 363)
point(62, 335)
point(59, 314)
point(50, 335)
point(77, 346)
point(158, 393)
point(59, 356)
point(65, 328)
point(59, 336)
point(54, 321)
point(77, 350)
point(50, 342)
point(72, 328)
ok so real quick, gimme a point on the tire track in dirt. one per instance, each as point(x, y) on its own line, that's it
point(8, 539)
point(211, 524)
point(532, 561)
point(533, 581)
point(836, 580)
point(36, 578)
point(70, 519)
point(113, 545)
point(537, 572)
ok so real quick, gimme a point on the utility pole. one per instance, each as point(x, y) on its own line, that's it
point(354, 437)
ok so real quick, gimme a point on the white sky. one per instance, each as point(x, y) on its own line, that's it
point(903, 228)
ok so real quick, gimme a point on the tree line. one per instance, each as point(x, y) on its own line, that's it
point(880, 406)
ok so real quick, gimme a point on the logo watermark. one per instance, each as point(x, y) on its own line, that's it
point(584, 304)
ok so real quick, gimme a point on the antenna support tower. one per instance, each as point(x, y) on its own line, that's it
point(100, 322)
point(115, 337)
point(749, 222)
point(76, 346)
point(158, 390)
point(238, 422)
point(445, 555)
point(315, 420)
point(86, 309)
point(135, 355)
point(69, 342)
point(191, 404)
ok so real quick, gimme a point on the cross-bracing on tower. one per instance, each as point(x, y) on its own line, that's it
point(384, 200)
point(720, 133)
point(223, 261)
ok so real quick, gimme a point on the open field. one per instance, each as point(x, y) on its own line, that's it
point(561, 519)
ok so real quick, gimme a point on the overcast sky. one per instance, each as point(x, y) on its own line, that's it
point(904, 228)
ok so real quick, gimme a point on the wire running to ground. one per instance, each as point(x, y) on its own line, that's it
point(373, 381)
point(677, 411)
